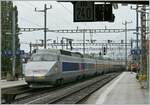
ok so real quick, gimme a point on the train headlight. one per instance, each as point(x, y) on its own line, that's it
point(28, 73)
point(36, 72)
point(40, 72)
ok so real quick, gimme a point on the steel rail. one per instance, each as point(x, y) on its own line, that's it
point(78, 96)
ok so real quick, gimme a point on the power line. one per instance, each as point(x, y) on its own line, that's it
point(65, 8)
point(90, 30)
point(30, 4)
point(69, 12)
point(30, 29)
point(54, 18)
point(29, 21)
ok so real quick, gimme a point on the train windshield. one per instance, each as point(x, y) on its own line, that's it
point(43, 57)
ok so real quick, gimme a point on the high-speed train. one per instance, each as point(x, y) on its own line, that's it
point(50, 67)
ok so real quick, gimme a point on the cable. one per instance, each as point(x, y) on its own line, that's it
point(30, 21)
point(65, 8)
point(30, 4)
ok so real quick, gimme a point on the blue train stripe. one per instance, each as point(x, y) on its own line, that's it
point(69, 66)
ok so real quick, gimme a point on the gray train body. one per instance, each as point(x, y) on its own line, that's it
point(50, 67)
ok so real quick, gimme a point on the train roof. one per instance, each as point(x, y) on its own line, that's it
point(59, 51)
point(67, 53)
point(75, 54)
point(45, 51)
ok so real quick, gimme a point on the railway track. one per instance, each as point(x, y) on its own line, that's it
point(80, 95)
point(36, 94)
point(9, 94)
point(21, 93)
point(23, 97)
point(69, 93)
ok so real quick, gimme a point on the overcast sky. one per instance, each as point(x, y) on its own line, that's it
point(61, 17)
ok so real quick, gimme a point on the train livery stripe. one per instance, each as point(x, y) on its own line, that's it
point(69, 66)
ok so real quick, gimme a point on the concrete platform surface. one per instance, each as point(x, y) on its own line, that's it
point(124, 89)
point(5, 84)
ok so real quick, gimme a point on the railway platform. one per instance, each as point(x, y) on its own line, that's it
point(124, 89)
point(7, 84)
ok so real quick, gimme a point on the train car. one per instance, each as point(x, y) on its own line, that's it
point(50, 67)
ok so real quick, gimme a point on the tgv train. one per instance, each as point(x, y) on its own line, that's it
point(50, 67)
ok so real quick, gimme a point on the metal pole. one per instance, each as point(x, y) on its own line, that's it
point(30, 48)
point(57, 42)
point(21, 67)
point(84, 42)
point(14, 40)
point(36, 44)
point(66, 44)
point(126, 43)
point(45, 20)
point(137, 31)
point(62, 42)
point(148, 52)
point(137, 24)
point(131, 43)
point(45, 13)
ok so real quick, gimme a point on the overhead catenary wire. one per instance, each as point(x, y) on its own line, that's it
point(31, 22)
point(66, 10)
point(28, 2)
point(70, 13)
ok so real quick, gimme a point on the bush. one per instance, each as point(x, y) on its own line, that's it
point(142, 77)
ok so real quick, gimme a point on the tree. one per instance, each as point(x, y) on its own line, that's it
point(6, 23)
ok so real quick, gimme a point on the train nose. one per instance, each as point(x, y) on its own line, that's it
point(38, 68)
